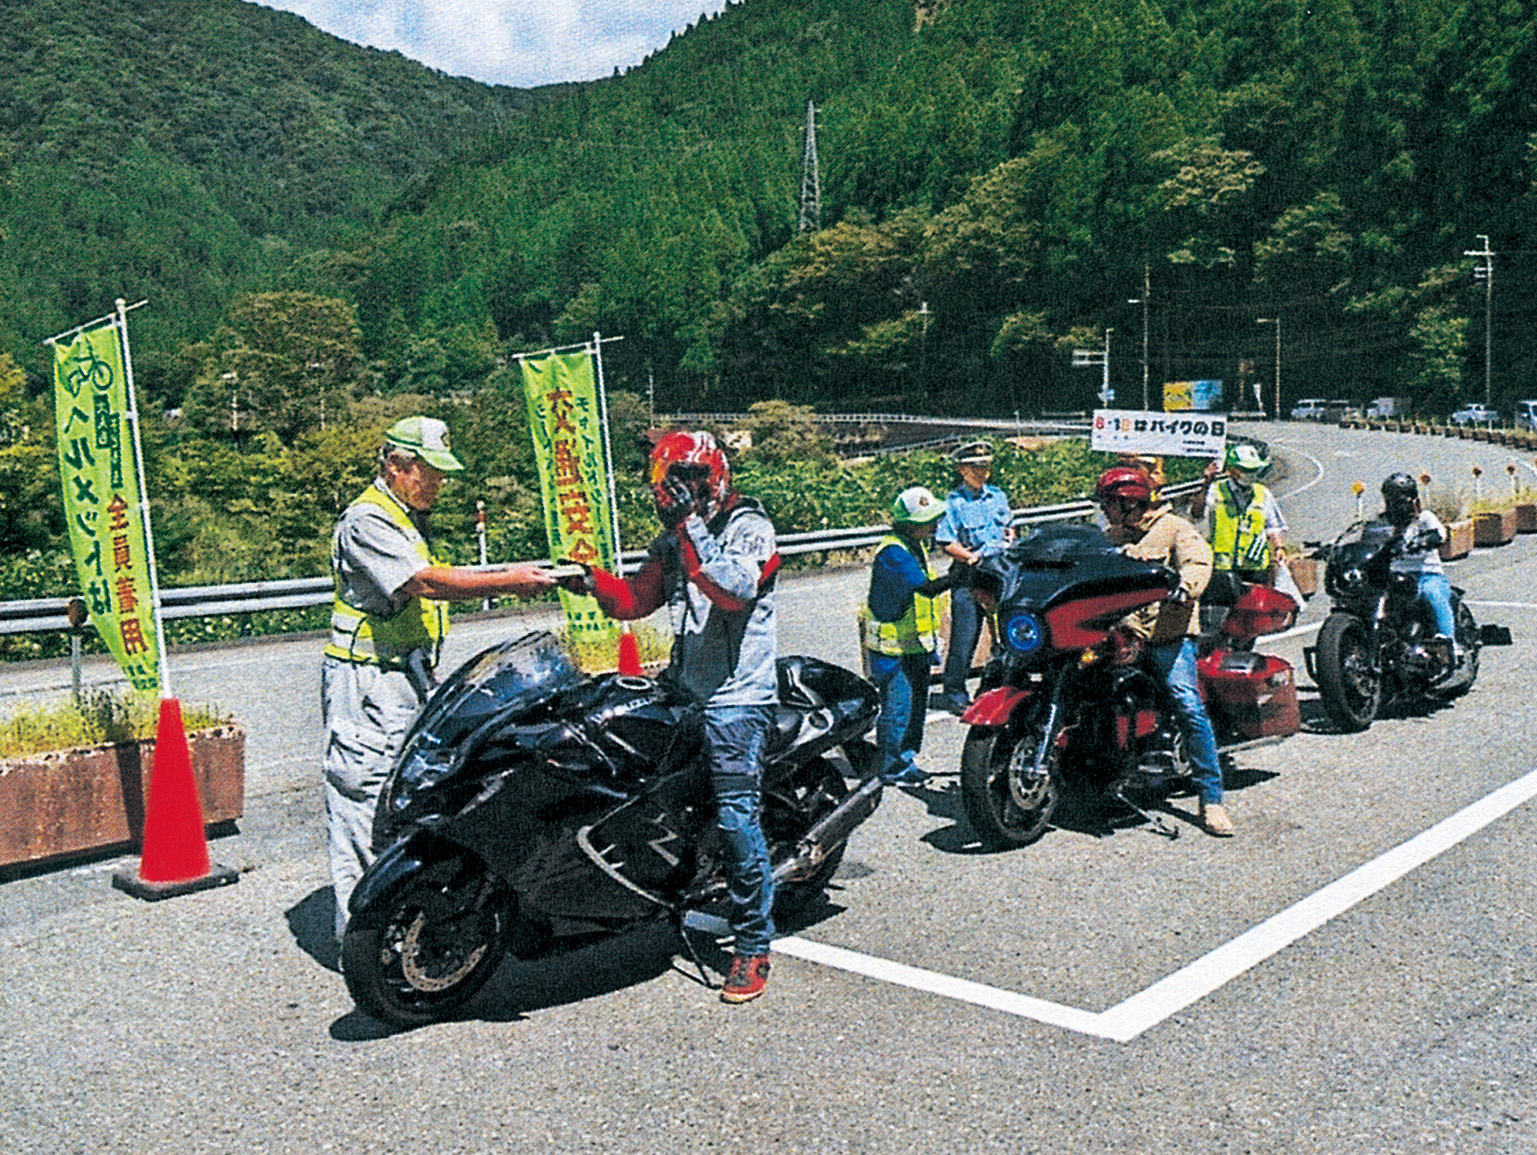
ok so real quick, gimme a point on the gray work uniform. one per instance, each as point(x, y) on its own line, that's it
point(366, 708)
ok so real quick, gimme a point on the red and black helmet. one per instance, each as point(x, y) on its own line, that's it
point(1124, 483)
point(691, 456)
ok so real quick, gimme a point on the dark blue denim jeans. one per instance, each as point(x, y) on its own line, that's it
point(965, 629)
point(1176, 662)
point(904, 686)
point(734, 737)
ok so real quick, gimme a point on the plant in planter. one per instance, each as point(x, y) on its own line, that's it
point(1494, 521)
point(1450, 505)
point(74, 777)
point(1524, 500)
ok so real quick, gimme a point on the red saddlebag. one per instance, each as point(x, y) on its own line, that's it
point(1250, 695)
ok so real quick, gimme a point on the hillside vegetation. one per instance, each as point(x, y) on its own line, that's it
point(330, 236)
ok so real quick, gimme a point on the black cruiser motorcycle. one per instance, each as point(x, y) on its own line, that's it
point(1378, 645)
point(534, 809)
point(1070, 711)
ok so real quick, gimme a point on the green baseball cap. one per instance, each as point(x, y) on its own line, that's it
point(427, 437)
point(916, 505)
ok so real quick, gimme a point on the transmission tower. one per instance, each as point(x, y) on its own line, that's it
point(811, 177)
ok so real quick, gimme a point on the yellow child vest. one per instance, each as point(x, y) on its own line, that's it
point(1238, 538)
point(917, 630)
point(388, 640)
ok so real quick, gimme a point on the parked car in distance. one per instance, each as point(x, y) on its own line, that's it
point(1525, 416)
point(1382, 407)
point(1474, 413)
point(1319, 409)
point(1309, 409)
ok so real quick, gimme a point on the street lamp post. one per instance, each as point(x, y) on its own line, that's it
point(1485, 273)
point(1147, 292)
point(1276, 321)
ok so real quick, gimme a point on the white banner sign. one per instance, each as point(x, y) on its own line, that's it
point(1158, 434)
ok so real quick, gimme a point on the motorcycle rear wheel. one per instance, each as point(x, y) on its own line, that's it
point(1349, 686)
point(422, 955)
point(1006, 802)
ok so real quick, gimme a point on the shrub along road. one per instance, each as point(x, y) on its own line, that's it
point(1404, 1023)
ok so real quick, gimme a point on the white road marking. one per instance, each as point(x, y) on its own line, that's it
point(1317, 477)
point(1168, 996)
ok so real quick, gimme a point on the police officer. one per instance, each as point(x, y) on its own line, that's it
point(388, 623)
point(975, 525)
point(1243, 521)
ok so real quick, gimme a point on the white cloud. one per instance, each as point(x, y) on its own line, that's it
point(522, 44)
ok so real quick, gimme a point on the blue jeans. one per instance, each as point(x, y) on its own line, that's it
point(1436, 592)
point(1176, 662)
point(965, 629)
point(734, 737)
point(904, 685)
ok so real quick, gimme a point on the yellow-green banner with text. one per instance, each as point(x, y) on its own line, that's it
point(101, 499)
point(566, 421)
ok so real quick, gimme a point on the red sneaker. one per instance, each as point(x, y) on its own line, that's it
point(747, 980)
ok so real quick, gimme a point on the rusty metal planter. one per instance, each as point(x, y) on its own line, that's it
point(91, 798)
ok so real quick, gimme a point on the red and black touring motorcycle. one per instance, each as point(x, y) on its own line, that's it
point(1069, 707)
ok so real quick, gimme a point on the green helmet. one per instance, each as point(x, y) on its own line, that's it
point(1241, 455)
point(916, 505)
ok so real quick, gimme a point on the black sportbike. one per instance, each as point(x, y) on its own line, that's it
point(534, 809)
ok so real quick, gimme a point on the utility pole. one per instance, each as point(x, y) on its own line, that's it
point(1147, 293)
point(1276, 321)
point(1485, 273)
point(811, 178)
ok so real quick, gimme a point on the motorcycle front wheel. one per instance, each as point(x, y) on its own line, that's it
point(1007, 802)
point(1349, 684)
point(420, 956)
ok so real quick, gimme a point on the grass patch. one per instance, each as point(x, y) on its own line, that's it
point(99, 717)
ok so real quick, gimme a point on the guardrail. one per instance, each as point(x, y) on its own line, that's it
point(48, 615)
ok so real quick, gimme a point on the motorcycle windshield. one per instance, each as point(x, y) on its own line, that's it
point(1057, 563)
point(511, 676)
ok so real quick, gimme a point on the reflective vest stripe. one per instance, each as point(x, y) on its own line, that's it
point(917, 630)
point(379, 639)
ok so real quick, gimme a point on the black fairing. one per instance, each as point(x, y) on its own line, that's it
point(589, 796)
point(1058, 563)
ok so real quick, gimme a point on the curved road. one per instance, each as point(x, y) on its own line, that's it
point(1335, 979)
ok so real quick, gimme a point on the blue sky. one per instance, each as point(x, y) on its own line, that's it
point(522, 44)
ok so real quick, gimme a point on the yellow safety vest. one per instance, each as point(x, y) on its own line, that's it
point(1238, 537)
point(917, 630)
point(388, 640)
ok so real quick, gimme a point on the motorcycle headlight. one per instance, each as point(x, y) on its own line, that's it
point(1024, 633)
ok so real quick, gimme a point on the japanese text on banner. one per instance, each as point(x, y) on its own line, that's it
point(1188, 434)
point(101, 500)
point(565, 420)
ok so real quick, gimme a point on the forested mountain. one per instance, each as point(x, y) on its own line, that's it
point(186, 150)
point(996, 177)
point(331, 236)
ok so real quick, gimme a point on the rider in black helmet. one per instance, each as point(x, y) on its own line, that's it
point(1423, 534)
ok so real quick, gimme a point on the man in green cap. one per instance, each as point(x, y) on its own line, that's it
point(388, 623)
point(1243, 522)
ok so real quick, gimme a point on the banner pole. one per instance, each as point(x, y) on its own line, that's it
point(608, 447)
point(138, 467)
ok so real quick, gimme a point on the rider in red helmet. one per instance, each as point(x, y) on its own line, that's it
point(1153, 532)
point(714, 567)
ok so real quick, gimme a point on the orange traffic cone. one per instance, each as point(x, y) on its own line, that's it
point(629, 653)
point(174, 857)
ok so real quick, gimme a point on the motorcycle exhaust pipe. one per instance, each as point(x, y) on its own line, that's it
point(830, 832)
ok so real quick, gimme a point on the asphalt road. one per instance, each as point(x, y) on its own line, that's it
point(1334, 979)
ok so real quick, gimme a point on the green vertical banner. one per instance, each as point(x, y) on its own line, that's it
point(565, 417)
point(102, 503)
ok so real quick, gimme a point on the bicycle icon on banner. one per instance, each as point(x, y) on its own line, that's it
point(87, 370)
